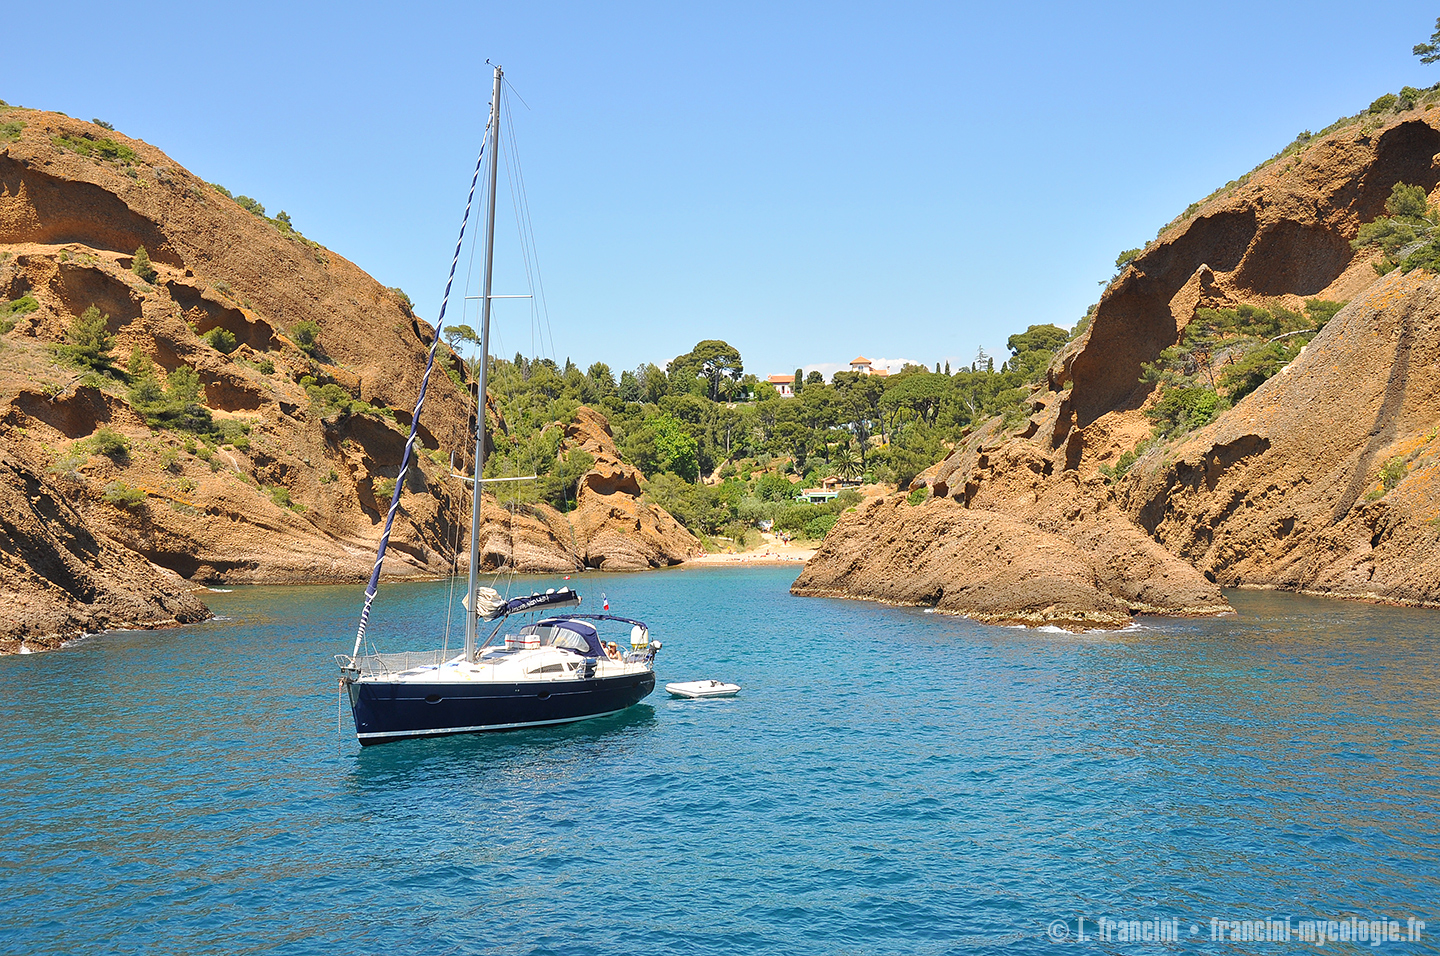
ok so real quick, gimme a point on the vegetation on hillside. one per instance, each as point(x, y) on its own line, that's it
point(722, 451)
point(13, 309)
point(1222, 356)
point(95, 147)
point(1407, 237)
point(1380, 111)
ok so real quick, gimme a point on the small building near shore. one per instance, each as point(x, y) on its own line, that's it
point(784, 384)
point(829, 489)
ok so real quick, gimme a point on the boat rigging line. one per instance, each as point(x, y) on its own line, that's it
point(374, 585)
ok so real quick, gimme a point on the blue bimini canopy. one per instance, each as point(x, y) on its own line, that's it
point(571, 634)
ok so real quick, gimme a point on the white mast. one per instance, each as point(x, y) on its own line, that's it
point(472, 616)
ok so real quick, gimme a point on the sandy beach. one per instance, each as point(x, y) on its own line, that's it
point(771, 551)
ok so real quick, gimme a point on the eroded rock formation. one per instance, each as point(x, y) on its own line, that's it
point(314, 437)
point(1284, 490)
point(57, 579)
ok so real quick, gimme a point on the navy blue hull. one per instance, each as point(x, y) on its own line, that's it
point(392, 711)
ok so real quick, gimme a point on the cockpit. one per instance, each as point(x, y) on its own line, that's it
point(577, 636)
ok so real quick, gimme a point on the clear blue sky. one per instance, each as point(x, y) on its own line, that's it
point(805, 181)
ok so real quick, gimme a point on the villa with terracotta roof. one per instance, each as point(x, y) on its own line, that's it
point(784, 384)
point(865, 367)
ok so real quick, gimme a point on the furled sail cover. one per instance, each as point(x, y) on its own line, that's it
point(487, 602)
point(531, 602)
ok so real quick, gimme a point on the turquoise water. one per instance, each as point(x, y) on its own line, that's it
point(888, 781)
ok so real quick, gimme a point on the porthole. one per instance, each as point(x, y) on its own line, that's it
point(432, 698)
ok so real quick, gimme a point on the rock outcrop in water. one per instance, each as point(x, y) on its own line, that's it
point(297, 488)
point(57, 579)
point(1283, 490)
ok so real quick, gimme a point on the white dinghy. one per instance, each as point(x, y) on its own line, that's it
point(695, 689)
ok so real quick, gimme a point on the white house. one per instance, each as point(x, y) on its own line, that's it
point(784, 384)
point(865, 367)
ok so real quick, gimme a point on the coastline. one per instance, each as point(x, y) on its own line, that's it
point(771, 552)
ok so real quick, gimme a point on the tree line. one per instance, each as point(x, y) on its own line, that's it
point(723, 450)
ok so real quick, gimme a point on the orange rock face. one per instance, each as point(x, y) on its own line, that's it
point(1284, 490)
point(611, 529)
point(300, 490)
point(57, 579)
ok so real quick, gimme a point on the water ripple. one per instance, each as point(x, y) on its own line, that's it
point(887, 782)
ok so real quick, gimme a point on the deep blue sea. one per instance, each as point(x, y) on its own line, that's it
point(888, 781)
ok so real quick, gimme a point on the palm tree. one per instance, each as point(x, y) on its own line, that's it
point(845, 461)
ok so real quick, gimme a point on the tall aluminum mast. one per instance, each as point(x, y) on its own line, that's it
point(472, 616)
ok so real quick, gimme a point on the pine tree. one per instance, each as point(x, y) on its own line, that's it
point(141, 265)
point(1429, 52)
point(88, 341)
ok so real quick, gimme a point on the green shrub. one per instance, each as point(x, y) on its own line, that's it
point(266, 367)
point(404, 299)
point(306, 335)
point(104, 125)
point(384, 489)
point(818, 528)
point(125, 496)
point(796, 517)
point(918, 496)
point(772, 486)
point(1322, 311)
point(330, 399)
point(234, 432)
point(110, 443)
point(281, 496)
point(102, 147)
point(221, 340)
point(1383, 103)
point(1427, 257)
point(88, 341)
point(10, 131)
point(675, 448)
point(141, 266)
point(1411, 219)
point(9, 311)
point(221, 190)
point(1407, 202)
point(1392, 473)
point(559, 487)
point(176, 406)
point(1184, 409)
point(251, 205)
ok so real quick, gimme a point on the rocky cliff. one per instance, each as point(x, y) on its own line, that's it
point(307, 370)
point(1321, 480)
point(57, 579)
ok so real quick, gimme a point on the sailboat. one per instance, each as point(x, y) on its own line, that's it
point(556, 670)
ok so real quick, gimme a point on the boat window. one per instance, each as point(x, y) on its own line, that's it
point(570, 640)
point(547, 669)
point(546, 632)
